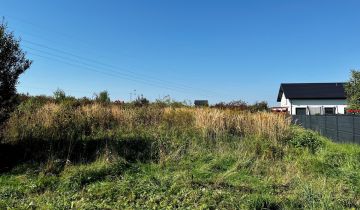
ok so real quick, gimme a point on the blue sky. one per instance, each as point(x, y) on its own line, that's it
point(188, 49)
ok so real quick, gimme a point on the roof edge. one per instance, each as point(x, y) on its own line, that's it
point(281, 91)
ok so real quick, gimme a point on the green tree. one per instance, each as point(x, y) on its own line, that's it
point(352, 89)
point(12, 63)
point(102, 97)
point(59, 95)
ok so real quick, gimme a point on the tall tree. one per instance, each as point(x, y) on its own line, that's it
point(12, 64)
point(352, 89)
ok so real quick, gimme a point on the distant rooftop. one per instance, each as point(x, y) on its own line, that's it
point(312, 91)
point(201, 102)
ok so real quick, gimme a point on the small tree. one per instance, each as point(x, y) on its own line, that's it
point(141, 101)
point(12, 64)
point(102, 97)
point(59, 95)
point(352, 89)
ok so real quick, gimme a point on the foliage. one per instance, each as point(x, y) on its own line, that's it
point(242, 105)
point(141, 101)
point(172, 158)
point(352, 88)
point(102, 97)
point(259, 106)
point(12, 64)
point(41, 99)
point(59, 95)
point(306, 139)
point(167, 101)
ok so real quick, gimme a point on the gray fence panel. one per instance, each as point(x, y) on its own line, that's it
point(331, 122)
point(356, 139)
point(332, 134)
point(340, 128)
point(299, 120)
point(357, 125)
point(345, 137)
point(346, 123)
point(316, 123)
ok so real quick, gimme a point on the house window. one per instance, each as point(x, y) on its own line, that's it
point(314, 110)
point(329, 110)
point(300, 111)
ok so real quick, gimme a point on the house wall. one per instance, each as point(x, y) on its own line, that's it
point(338, 104)
point(284, 101)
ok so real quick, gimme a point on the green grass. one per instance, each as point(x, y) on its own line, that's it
point(234, 174)
point(107, 157)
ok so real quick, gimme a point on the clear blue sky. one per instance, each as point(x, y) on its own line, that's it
point(205, 49)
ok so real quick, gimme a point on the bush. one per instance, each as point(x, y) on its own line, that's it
point(102, 97)
point(59, 95)
point(242, 105)
point(168, 102)
point(238, 105)
point(306, 139)
point(141, 101)
point(259, 106)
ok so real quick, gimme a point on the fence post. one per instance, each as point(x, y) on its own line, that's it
point(325, 133)
point(304, 120)
point(337, 128)
point(353, 128)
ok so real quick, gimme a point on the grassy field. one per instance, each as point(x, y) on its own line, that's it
point(59, 156)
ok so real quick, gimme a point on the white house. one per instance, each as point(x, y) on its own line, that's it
point(313, 98)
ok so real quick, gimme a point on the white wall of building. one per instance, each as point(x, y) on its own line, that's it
point(310, 104)
point(284, 101)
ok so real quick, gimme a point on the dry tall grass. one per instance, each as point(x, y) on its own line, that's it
point(215, 122)
point(53, 121)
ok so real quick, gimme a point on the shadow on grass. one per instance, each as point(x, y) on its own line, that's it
point(84, 151)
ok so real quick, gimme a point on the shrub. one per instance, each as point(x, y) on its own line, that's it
point(306, 139)
point(168, 102)
point(259, 106)
point(238, 105)
point(59, 95)
point(141, 101)
point(102, 97)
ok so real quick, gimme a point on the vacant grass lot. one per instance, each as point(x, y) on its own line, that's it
point(59, 156)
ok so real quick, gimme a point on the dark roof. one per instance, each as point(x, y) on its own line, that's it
point(312, 91)
point(201, 102)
